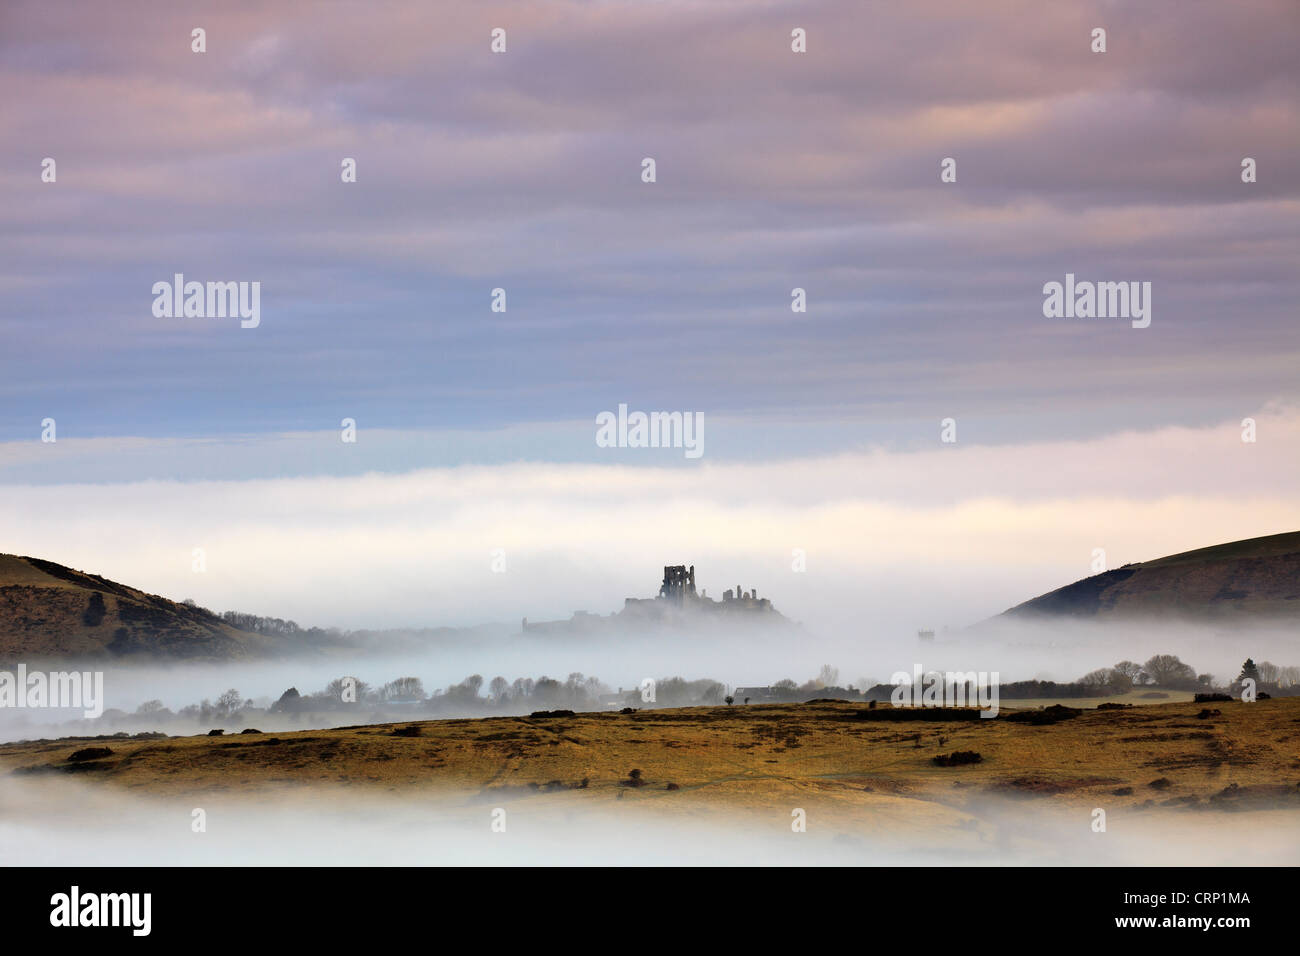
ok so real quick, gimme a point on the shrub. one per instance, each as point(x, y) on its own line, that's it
point(89, 753)
point(634, 779)
point(95, 610)
point(957, 758)
point(1048, 715)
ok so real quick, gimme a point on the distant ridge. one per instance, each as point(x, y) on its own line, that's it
point(48, 611)
point(1256, 578)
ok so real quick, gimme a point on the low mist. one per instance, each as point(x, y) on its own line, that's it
point(68, 823)
point(1061, 652)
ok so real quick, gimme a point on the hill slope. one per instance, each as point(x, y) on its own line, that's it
point(1254, 578)
point(49, 611)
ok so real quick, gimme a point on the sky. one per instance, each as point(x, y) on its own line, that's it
point(522, 170)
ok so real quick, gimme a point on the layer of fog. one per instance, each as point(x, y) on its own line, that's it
point(872, 543)
point(621, 660)
point(66, 822)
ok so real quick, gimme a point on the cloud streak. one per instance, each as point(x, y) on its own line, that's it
point(521, 170)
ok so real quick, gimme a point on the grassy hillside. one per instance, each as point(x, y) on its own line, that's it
point(1254, 578)
point(48, 611)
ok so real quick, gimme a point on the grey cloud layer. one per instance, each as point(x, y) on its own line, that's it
point(521, 171)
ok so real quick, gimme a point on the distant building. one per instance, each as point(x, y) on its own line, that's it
point(757, 695)
point(676, 604)
point(679, 583)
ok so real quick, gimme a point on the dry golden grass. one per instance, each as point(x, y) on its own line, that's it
point(1139, 697)
point(46, 614)
point(739, 758)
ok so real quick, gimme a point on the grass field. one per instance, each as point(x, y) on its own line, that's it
point(1246, 755)
point(1140, 697)
point(712, 783)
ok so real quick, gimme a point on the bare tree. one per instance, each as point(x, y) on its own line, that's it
point(405, 688)
point(1107, 677)
point(1167, 670)
point(1130, 670)
point(357, 690)
point(229, 703)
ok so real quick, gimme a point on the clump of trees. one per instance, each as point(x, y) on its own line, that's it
point(95, 610)
point(406, 690)
point(1268, 677)
point(578, 692)
point(228, 706)
point(274, 626)
point(1161, 670)
point(468, 696)
point(1169, 672)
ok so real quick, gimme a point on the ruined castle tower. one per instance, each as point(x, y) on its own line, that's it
point(679, 583)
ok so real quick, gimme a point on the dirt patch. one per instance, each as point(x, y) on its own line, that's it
point(928, 714)
point(1044, 787)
